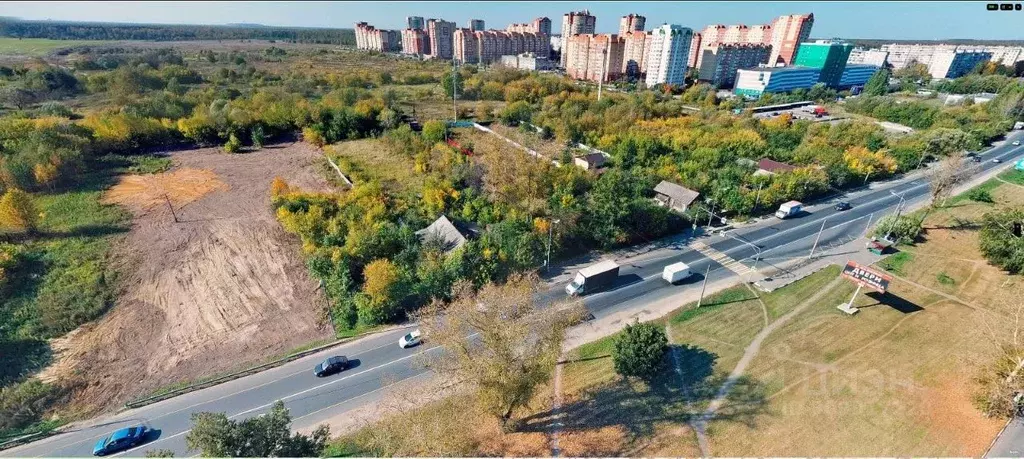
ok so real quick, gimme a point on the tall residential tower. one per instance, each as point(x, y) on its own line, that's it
point(667, 55)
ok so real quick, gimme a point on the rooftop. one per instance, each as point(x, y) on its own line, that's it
point(678, 193)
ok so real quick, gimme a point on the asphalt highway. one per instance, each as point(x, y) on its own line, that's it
point(379, 362)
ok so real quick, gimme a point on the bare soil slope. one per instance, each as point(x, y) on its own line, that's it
point(220, 287)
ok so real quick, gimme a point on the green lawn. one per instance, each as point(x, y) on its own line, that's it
point(39, 46)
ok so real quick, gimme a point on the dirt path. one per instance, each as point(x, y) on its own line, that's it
point(212, 288)
point(753, 349)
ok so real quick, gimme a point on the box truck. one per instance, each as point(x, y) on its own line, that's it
point(675, 272)
point(593, 278)
point(789, 209)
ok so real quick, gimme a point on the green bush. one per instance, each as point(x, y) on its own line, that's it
point(24, 404)
point(903, 230)
point(980, 195)
point(640, 350)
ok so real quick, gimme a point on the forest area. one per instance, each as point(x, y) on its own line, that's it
point(67, 128)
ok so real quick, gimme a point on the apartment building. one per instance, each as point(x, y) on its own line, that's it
point(575, 23)
point(631, 23)
point(955, 64)
point(875, 57)
point(440, 33)
point(465, 46)
point(784, 34)
point(415, 22)
point(476, 25)
point(415, 42)
point(902, 55)
point(634, 53)
point(787, 34)
point(667, 55)
point(695, 47)
point(371, 38)
point(594, 57)
point(720, 63)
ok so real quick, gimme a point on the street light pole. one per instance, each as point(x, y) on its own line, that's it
point(711, 214)
point(547, 260)
point(704, 285)
point(757, 197)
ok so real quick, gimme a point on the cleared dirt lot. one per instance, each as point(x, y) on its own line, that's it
point(220, 287)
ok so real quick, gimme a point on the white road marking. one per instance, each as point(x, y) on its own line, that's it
point(286, 398)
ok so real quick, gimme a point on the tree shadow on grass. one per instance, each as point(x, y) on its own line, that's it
point(639, 407)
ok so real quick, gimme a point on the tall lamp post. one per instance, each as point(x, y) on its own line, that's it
point(551, 227)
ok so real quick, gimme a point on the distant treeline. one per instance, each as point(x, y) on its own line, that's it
point(59, 30)
point(876, 42)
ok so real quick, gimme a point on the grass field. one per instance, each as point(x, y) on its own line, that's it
point(39, 46)
point(368, 159)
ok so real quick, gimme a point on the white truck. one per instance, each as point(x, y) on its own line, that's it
point(593, 278)
point(676, 272)
point(1018, 125)
point(789, 209)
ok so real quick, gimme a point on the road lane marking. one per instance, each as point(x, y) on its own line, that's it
point(149, 420)
point(722, 258)
point(287, 397)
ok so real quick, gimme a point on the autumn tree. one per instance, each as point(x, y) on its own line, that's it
point(269, 435)
point(18, 212)
point(949, 173)
point(435, 131)
point(383, 290)
point(500, 341)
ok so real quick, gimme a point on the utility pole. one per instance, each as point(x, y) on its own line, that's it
point(867, 229)
point(866, 177)
point(711, 214)
point(899, 208)
point(704, 285)
point(455, 90)
point(757, 197)
point(604, 68)
point(816, 239)
point(547, 261)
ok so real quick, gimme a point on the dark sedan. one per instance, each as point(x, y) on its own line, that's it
point(120, 440)
point(843, 205)
point(330, 366)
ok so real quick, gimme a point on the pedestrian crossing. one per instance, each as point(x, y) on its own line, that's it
point(721, 258)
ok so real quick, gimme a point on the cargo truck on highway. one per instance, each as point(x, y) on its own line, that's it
point(593, 278)
point(789, 209)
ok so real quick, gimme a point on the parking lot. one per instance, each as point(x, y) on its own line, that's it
point(799, 113)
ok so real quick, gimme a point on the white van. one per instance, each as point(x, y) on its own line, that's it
point(676, 272)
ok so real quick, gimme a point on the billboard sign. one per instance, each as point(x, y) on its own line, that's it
point(866, 277)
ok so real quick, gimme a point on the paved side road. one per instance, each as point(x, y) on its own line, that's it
point(1010, 442)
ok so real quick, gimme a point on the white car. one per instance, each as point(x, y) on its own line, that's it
point(996, 160)
point(1016, 143)
point(411, 339)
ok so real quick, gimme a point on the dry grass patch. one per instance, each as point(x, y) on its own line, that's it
point(181, 187)
point(551, 149)
point(369, 159)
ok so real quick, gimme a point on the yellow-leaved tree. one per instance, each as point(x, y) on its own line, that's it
point(18, 212)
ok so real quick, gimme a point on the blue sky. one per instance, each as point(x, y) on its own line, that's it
point(864, 19)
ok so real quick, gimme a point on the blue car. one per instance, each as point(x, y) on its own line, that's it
point(120, 440)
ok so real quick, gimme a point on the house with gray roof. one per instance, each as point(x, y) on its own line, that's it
point(674, 196)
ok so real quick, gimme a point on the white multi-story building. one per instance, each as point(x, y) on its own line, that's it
point(667, 55)
point(955, 64)
point(875, 57)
